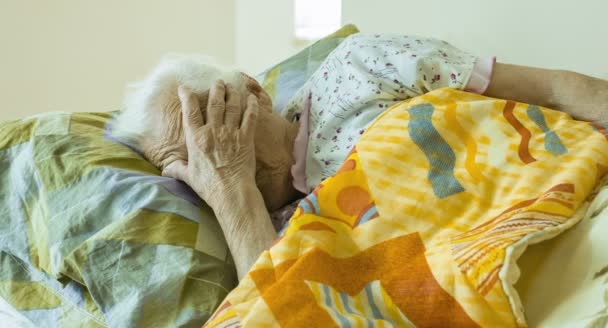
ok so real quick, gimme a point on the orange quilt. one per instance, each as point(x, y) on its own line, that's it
point(424, 222)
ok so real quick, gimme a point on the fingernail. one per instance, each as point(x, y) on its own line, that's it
point(183, 92)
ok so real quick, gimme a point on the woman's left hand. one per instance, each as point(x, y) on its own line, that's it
point(220, 143)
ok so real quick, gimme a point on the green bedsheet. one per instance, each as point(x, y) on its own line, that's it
point(91, 236)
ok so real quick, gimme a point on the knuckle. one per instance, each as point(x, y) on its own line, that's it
point(216, 107)
point(216, 98)
point(232, 106)
point(235, 99)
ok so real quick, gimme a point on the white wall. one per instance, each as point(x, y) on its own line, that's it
point(264, 33)
point(77, 55)
point(546, 33)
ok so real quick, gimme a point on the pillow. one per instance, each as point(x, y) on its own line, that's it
point(283, 80)
point(91, 235)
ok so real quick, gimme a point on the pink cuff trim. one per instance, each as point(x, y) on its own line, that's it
point(481, 75)
point(298, 170)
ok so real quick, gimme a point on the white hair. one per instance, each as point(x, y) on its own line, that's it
point(197, 72)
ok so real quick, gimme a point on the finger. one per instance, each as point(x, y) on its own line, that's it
point(217, 104)
point(252, 85)
point(177, 170)
point(192, 117)
point(250, 117)
point(233, 107)
point(203, 99)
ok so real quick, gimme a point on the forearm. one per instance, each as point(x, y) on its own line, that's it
point(581, 96)
point(521, 83)
point(246, 225)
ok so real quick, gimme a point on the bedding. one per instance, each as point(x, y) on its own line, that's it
point(366, 74)
point(577, 296)
point(91, 236)
point(424, 222)
point(281, 81)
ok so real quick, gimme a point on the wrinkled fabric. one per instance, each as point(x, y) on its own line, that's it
point(423, 223)
point(365, 75)
point(92, 236)
point(580, 256)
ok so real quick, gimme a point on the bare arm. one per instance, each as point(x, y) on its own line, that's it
point(246, 225)
point(583, 97)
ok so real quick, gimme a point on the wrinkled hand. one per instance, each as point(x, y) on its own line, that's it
point(220, 142)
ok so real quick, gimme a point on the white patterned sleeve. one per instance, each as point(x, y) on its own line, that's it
point(404, 66)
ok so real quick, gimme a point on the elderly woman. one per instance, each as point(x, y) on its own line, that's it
point(215, 130)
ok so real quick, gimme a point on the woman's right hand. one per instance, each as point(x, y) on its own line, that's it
point(220, 144)
point(221, 169)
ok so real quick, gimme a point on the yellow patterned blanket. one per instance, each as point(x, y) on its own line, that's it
point(424, 222)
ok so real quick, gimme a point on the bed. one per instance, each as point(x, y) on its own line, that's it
point(92, 236)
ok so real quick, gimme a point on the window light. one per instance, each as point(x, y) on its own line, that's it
point(315, 19)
